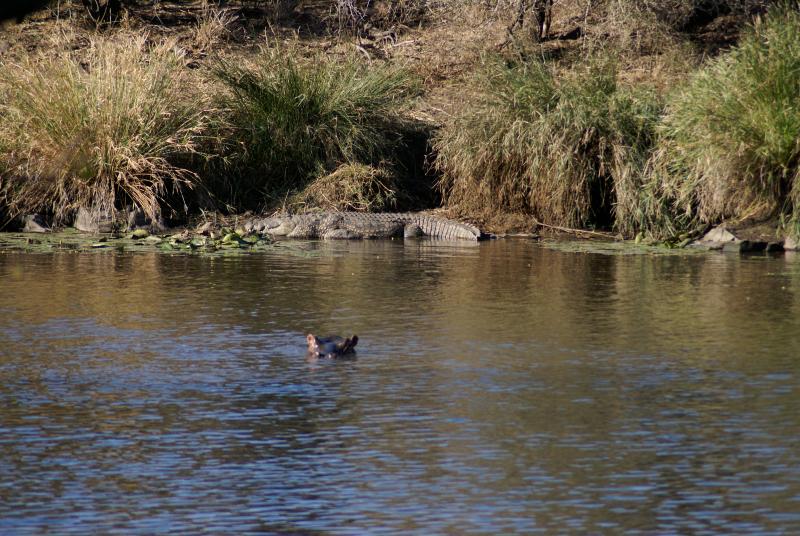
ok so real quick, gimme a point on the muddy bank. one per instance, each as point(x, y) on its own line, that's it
point(226, 236)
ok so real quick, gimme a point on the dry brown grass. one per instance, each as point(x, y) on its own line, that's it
point(115, 127)
point(551, 157)
point(554, 144)
point(296, 118)
point(730, 140)
point(351, 186)
point(214, 25)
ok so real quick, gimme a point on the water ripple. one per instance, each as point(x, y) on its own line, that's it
point(497, 389)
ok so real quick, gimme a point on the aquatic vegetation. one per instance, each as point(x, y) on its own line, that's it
point(295, 120)
point(117, 126)
point(730, 141)
point(222, 241)
point(563, 146)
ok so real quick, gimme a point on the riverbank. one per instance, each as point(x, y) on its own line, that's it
point(237, 235)
point(620, 120)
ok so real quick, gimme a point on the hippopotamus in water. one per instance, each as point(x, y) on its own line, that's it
point(330, 347)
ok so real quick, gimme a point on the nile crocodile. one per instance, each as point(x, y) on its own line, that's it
point(349, 225)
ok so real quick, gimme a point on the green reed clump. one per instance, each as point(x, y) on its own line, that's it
point(108, 129)
point(295, 120)
point(730, 140)
point(565, 147)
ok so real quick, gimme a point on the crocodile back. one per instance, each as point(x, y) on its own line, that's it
point(362, 225)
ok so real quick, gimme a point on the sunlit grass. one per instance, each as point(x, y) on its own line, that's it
point(296, 120)
point(730, 144)
point(103, 131)
point(558, 146)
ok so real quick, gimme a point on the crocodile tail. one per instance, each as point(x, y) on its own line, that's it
point(448, 229)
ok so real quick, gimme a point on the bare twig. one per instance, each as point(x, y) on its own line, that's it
point(364, 51)
point(569, 230)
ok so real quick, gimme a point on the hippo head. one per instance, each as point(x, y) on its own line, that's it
point(330, 346)
point(313, 344)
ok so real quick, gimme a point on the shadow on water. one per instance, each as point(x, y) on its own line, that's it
point(501, 387)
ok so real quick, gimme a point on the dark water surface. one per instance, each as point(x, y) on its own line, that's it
point(500, 388)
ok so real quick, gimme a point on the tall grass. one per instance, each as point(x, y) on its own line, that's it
point(213, 25)
point(730, 140)
point(99, 133)
point(295, 120)
point(563, 147)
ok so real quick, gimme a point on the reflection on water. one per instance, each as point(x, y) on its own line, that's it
point(500, 388)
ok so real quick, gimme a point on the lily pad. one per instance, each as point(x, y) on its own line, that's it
point(230, 237)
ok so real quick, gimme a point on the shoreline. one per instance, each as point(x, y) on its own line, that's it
point(427, 125)
point(231, 234)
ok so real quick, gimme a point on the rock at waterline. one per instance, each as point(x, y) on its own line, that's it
point(94, 220)
point(744, 246)
point(721, 238)
point(205, 229)
point(34, 223)
point(720, 234)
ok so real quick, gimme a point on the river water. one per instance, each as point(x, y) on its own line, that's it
point(498, 388)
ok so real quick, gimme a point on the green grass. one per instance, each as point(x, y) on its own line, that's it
point(106, 130)
point(730, 141)
point(565, 148)
point(295, 120)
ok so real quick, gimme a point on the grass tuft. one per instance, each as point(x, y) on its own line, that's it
point(562, 147)
point(730, 140)
point(355, 187)
point(213, 25)
point(107, 131)
point(297, 120)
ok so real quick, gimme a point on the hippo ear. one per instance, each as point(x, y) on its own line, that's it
point(311, 339)
point(354, 340)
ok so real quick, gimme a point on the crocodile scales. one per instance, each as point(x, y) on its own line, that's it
point(355, 225)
